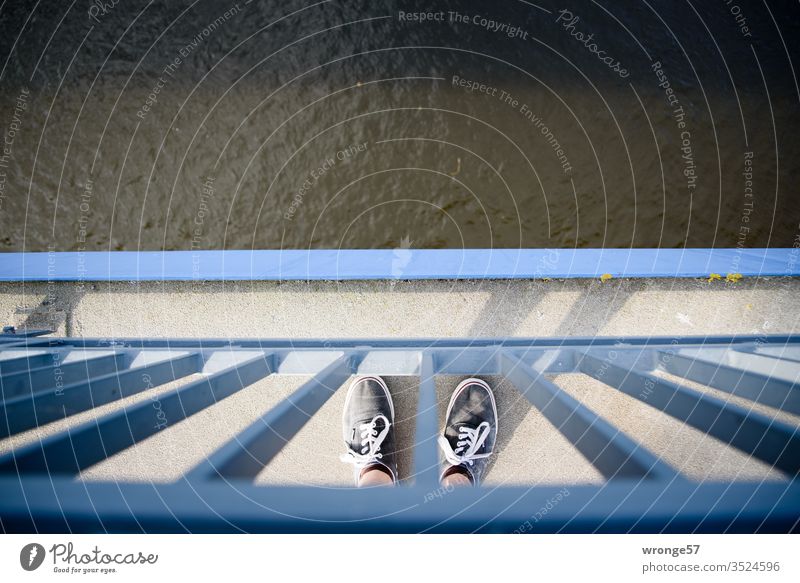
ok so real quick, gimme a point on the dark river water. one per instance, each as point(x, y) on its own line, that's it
point(221, 125)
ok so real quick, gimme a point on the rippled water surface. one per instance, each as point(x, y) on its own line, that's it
point(209, 125)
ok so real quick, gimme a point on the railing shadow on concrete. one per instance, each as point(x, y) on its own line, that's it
point(640, 491)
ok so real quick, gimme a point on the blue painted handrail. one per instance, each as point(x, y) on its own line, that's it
point(346, 264)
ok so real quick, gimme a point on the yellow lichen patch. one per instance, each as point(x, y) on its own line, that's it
point(733, 277)
point(606, 277)
point(714, 276)
point(749, 306)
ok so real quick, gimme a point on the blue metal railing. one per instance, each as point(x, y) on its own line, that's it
point(360, 264)
point(44, 380)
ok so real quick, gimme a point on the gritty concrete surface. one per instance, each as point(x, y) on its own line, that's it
point(691, 452)
point(530, 450)
point(312, 457)
point(407, 309)
point(36, 435)
point(777, 414)
point(169, 454)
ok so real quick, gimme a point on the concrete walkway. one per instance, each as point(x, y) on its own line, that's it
point(531, 451)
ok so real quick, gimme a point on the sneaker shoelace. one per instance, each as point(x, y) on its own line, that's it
point(469, 442)
point(371, 440)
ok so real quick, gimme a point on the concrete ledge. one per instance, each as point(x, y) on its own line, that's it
point(619, 307)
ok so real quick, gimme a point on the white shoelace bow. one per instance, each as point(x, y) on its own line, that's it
point(371, 441)
point(471, 439)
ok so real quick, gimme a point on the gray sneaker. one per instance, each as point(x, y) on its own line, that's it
point(367, 427)
point(470, 429)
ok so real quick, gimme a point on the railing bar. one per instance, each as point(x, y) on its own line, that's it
point(76, 448)
point(24, 362)
point(608, 448)
point(30, 411)
point(426, 453)
point(59, 373)
point(36, 343)
point(776, 392)
point(764, 352)
point(24, 333)
point(65, 506)
point(767, 439)
point(252, 449)
point(772, 357)
point(761, 364)
point(426, 343)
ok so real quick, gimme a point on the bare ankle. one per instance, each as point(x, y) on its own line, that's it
point(375, 476)
point(456, 476)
